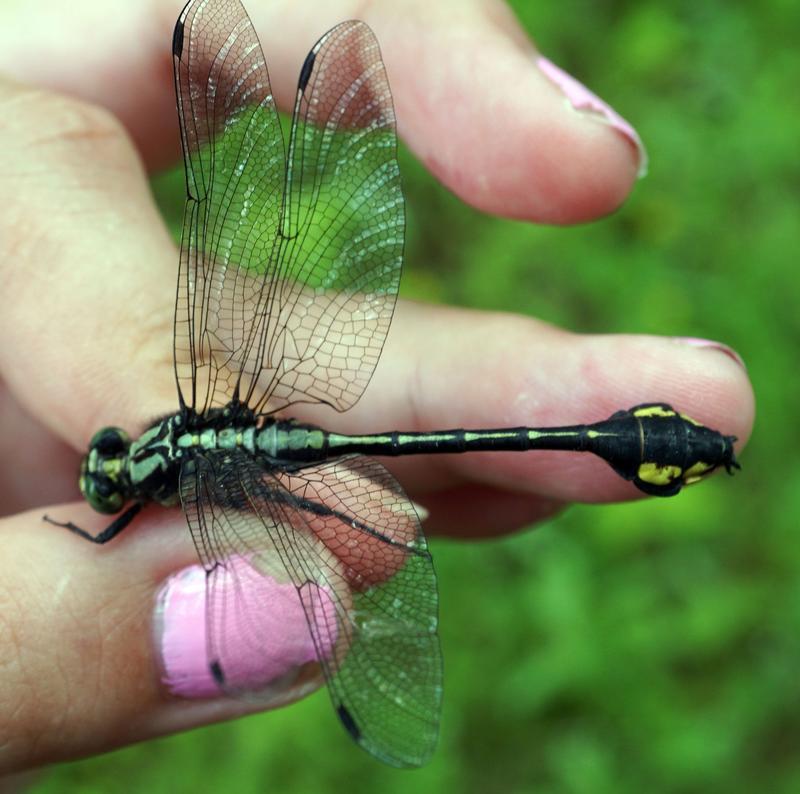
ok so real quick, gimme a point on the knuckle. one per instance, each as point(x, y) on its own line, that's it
point(49, 137)
point(60, 153)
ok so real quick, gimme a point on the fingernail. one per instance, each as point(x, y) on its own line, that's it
point(585, 101)
point(693, 341)
point(263, 634)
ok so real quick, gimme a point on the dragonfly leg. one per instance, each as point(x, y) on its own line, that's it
point(111, 531)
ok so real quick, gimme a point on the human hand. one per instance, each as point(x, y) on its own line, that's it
point(88, 280)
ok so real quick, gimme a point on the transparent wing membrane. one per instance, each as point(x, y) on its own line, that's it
point(347, 540)
point(289, 270)
point(235, 165)
point(342, 230)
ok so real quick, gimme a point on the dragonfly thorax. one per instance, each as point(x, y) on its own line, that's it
point(116, 470)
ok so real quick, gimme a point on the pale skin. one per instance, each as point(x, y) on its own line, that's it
point(87, 273)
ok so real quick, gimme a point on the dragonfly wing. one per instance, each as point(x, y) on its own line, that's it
point(337, 270)
point(348, 541)
point(289, 273)
point(235, 168)
point(251, 596)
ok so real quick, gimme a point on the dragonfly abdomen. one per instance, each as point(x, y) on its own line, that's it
point(292, 441)
point(652, 445)
point(514, 439)
point(153, 461)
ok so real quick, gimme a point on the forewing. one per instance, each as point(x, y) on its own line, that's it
point(235, 166)
point(349, 541)
point(334, 280)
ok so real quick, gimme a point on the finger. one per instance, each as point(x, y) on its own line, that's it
point(476, 511)
point(476, 104)
point(85, 258)
point(447, 368)
point(26, 442)
point(97, 641)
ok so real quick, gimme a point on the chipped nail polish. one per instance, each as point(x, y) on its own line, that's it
point(262, 638)
point(584, 100)
point(693, 341)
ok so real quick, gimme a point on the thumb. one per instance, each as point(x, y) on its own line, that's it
point(104, 646)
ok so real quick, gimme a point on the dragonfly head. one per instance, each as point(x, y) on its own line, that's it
point(104, 479)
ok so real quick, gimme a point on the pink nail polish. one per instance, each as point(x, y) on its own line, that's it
point(582, 99)
point(693, 341)
point(262, 634)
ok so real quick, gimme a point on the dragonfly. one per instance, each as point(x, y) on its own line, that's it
point(289, 271)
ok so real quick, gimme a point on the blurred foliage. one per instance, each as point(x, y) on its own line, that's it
point(645, 647)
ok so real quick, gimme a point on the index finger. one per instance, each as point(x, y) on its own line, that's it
point(471, 102)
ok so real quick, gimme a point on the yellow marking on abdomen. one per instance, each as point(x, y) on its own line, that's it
point(658, 475)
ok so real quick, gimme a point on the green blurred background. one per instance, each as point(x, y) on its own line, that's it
point(644, 647)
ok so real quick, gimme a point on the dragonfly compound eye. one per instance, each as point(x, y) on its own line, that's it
point(101, 493)
point(103, 480)
point(110, 441)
